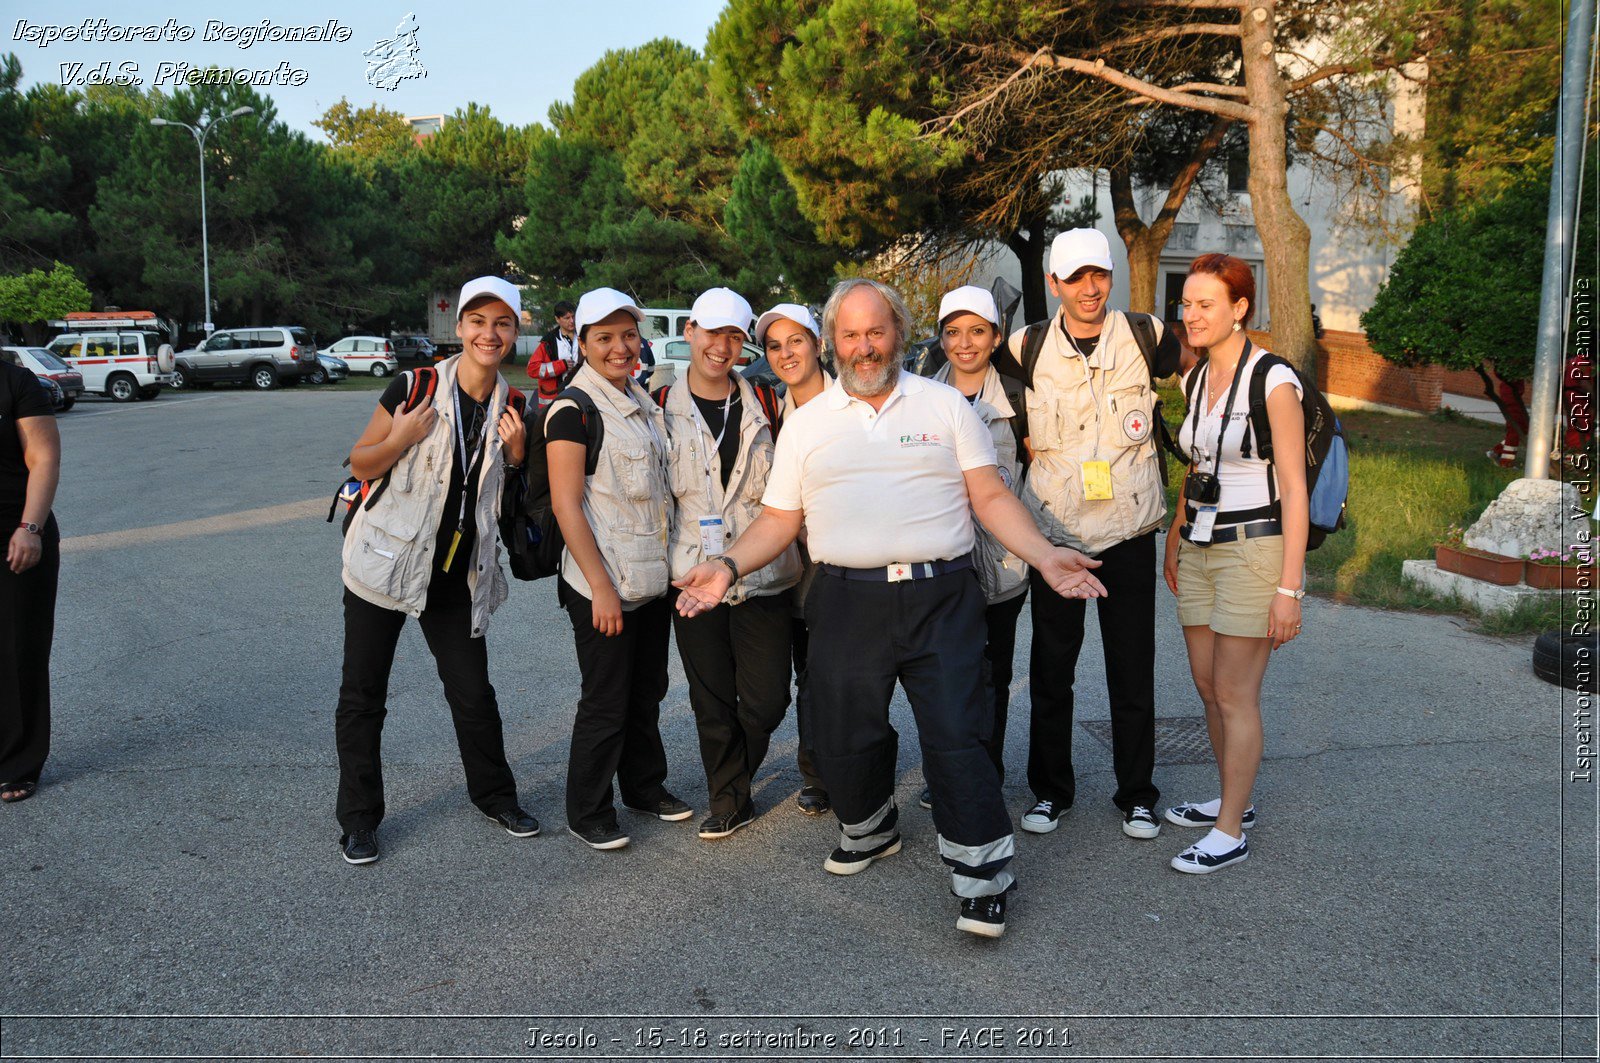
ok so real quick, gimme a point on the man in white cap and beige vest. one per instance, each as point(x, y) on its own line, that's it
point(1094, 485)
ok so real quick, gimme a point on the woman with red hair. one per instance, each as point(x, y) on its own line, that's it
point(1235, 555)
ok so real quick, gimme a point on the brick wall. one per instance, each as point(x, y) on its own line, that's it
point(1348, 367)
point(1463, 382)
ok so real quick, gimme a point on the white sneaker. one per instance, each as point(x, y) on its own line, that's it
point(1196, 861)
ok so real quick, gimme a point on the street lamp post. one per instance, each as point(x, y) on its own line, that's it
point(200, 133)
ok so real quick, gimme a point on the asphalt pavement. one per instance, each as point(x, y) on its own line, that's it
point(1421, 882)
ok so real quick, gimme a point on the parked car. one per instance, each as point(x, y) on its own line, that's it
point(120, 355)
point(331, 369)
point(366, 354)
point(58, 400)
point(46, 366)
point(413, 347)
point(672, 360)
point(260, 357)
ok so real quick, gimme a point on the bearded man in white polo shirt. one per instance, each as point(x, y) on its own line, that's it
point(885, 471)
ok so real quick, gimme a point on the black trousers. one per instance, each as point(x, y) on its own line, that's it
point(929, 634)
point(371, 633)
point(1128, 634)
point(617, 731)
point(999, 653)
point(736, 658)
point(27, 628)
point(800, 648)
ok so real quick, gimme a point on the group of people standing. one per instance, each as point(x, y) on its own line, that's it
point(862, 531)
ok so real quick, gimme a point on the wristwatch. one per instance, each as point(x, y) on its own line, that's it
point(732, 565)
point(29, 527)
point(1296, 595)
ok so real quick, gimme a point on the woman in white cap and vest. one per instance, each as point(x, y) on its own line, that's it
point(788, 333)
point(970, 331)
point(736, 655)
point(424, 545)
point(615, 520)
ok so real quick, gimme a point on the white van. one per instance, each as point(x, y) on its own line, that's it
point(123, 356)
point(659, 323)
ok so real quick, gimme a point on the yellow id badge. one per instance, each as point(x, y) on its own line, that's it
point(455, 541)
point(1096, 481)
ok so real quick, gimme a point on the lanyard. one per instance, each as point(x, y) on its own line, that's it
point(467, 462)
point(716, 446)
point(1227, 409)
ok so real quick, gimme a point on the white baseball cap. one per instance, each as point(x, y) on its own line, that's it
point(790, 312)
point(970, 298)
point(721, 308)
point(1077, 248)
point(494, 287)
point(597, 305)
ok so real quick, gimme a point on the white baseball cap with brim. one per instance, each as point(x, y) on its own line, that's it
point(494, 288)
point(721, 308)
point(595, 306)
point(972, 299)
point(1077, 248)
point(789, 312)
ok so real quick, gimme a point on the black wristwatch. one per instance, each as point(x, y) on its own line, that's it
point(732, 565)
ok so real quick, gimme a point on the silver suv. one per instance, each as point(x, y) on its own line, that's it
point(260, 357)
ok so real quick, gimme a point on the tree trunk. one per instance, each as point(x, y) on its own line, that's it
point(1285, 238)
point(1027, 243)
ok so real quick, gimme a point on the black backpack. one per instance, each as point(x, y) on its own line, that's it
point(528, 525)
point(1144, 334)
point(1327, 452)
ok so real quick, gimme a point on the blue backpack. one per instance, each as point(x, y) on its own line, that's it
point(1327, 453)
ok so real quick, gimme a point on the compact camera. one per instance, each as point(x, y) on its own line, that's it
point(1202, 488)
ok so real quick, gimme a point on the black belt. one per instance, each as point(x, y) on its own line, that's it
point(900, 570)
point(1234, 534)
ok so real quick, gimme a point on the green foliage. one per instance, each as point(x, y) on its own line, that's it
point(787, 261)
point(1465, 290)
point(368, 133)
point(37, 296)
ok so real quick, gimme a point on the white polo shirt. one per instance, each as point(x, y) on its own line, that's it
point(880, 486)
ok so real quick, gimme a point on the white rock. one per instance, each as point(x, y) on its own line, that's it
point(1530, 515)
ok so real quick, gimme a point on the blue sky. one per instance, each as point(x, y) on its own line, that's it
point(517, 58)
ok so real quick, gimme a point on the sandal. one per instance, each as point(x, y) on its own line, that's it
point(18, 791)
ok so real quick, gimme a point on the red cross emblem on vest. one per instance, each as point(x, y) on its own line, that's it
point(1136, 426)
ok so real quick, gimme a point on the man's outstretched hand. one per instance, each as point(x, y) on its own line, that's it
point(703, 588)
point(1067, 572)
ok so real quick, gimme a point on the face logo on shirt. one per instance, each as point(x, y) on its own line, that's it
point(1136, 425)
point(919, 439)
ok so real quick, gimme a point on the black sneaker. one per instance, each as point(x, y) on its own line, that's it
point(1141, 823)
point(845, 862)
point(666, 807)
point(925, 799)
point(360, 846)
point(1043, 817)
point(984, 916)
point(516, 822)
point(601, 837)
point(720, 825)
point(813, 800)
point(1190, 815)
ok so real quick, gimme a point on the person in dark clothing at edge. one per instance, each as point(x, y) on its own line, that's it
point(428, 548)
point(1094, 485)
point(30, 467)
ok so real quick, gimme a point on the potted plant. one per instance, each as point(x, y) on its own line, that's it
point(1567, 569)
point(1452, 555)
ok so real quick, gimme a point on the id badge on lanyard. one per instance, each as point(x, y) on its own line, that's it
point(713, 530)
point(1096, 480)
point(1205, 519)
point(467, 462)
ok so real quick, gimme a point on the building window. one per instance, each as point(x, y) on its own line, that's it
point(1241, 238)
point(1239, 170)
point(1184, 235)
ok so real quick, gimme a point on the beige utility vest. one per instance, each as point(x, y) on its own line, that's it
point(1002, 574)
point(1081, 409)
point(388, 553)
point(626, 501)
point(695, 473)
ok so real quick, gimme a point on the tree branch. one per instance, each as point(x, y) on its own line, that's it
point(1184, 179)
point(1098, 69)
point(1217, 29)
point(1209, 5)
point(1323, 74)
point(1206, 86)
point(946, 121)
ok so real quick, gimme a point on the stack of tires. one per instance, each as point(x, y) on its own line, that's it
point(1571, 661)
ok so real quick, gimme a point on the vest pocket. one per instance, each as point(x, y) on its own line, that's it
point(388, 549)
point(1042, 414)
point(757, 470)
point(1132, 409)
point(634, 473)
point(641, 567)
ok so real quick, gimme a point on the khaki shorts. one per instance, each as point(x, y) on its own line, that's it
point(1229, 587)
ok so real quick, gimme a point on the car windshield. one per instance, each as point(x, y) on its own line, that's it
point(48, 360)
